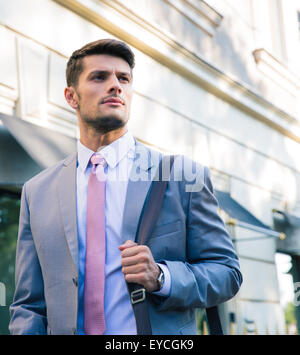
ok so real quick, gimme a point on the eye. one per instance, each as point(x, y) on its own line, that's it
point(99, 77)
point(124, 78)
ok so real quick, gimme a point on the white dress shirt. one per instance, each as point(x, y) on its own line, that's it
point(119, 156)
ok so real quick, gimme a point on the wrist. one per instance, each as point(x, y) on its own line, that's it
point(160, 279)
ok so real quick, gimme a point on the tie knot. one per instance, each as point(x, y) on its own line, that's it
point(97, 159)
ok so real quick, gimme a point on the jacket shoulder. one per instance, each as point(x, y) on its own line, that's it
point(51, 172)
point(191, 175)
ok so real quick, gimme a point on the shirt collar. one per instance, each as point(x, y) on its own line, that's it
point(112, 153)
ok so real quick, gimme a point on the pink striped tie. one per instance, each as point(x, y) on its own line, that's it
point(94, 319)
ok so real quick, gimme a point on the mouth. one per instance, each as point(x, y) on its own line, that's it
point(113, 101)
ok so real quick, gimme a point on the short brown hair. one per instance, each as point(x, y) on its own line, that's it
point(103, 46)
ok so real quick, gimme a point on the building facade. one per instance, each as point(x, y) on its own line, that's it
point(217, 81)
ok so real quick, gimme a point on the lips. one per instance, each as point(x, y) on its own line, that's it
point(113, 101)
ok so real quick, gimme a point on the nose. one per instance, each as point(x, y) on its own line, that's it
point(114, 85)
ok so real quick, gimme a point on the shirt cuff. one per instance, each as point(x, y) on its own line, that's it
point(165, 290)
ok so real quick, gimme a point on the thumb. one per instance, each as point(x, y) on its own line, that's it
point(128, 244)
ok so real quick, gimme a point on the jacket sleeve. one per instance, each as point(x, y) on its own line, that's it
point(28, 310)
point(211, 273)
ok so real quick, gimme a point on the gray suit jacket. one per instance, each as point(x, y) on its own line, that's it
point(189, 237)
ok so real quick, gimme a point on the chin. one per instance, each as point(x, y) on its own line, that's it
point(104, 124)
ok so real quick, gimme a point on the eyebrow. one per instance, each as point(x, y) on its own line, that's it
point(107, 72)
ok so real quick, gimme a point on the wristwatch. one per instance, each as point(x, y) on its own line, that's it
point(160, 279)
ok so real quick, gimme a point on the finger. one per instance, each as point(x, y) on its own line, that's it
point(138, 278)
point(133, 269)
point(128, 244)
point(130, 252)
point(131, 260)
point(134, 257)
point(134, 250)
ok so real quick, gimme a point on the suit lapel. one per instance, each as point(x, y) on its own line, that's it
point(67, 203)
point(142, 172)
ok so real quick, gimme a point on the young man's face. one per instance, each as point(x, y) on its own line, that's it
point(104, 92)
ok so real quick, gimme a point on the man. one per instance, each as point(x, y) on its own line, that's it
point(78, 221)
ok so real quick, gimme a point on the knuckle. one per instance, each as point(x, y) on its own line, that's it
point(143, 268)
point(145, 248)
point(144, 257)
point(142, 276)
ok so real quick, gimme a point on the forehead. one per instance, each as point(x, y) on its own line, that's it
point(104, 62)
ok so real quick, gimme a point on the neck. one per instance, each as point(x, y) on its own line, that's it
point(95, 140)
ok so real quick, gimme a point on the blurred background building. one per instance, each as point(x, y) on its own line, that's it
point(218, 81)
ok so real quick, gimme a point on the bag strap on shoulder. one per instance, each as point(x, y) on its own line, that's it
point(147, 222)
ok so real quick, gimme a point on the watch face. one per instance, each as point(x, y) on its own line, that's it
point(161, 279)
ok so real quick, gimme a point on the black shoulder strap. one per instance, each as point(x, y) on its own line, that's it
point(213, 320)
point(145, 228)
point(146, 225)
point(154, 201)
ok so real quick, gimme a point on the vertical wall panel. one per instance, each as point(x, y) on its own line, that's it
point(33, 68)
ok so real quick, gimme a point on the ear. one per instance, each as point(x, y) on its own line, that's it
point(71, 97)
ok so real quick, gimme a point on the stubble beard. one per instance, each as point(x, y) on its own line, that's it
point(103, 123)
